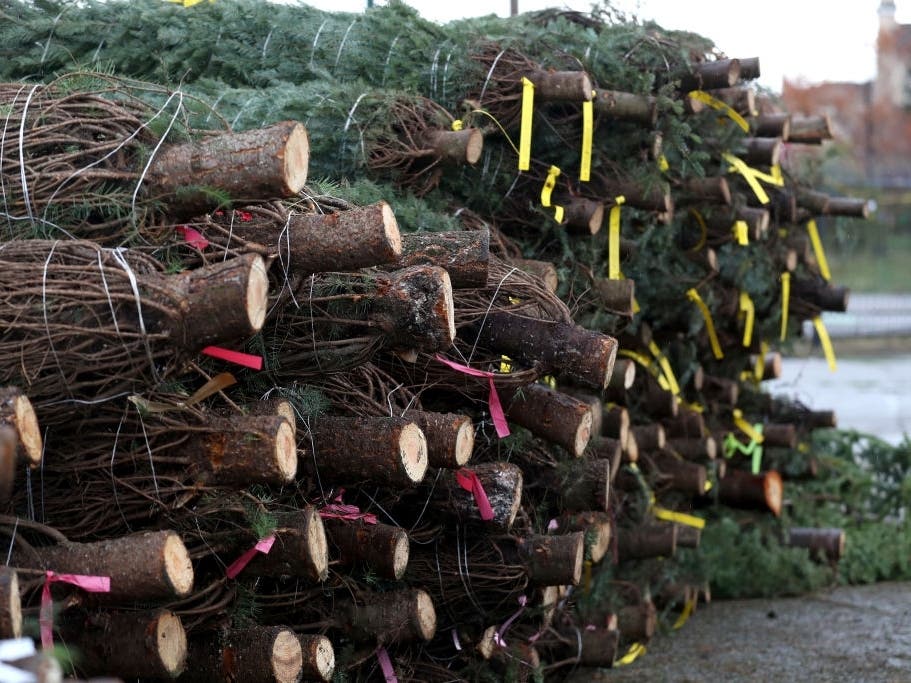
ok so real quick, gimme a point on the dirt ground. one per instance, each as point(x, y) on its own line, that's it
point(851, 634)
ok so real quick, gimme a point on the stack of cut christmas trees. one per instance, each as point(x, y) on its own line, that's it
point(422, 418)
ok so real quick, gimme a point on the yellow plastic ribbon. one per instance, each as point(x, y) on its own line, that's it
point(826, 342)
point(742, 233)
point(505, 364)
point(558, 213)
point(785, 302)
point(550, 381)
point(749, 174)
point(708, 486)
point(693, 296)
point(528, 106)
point(635, 651)
point(813, 232)
point(746, 427)
point(678, 517)
point(550, 182)
point(646, 363)
point(663, 165)
point(702, 226)
point(665, 365)
point(688, 607)
point(718, 105)
point(457, 125)
point(188, 3)
point(585, 165)
point(613, 239)
point(759, 368)
point(749, 310)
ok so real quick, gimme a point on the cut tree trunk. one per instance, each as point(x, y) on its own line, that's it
point(318, 658)
point(810, 130)
point(688, 536)
point(658, 539)
point(464, 254)
point(607, 448)
point(637, 623)
point(627, 106)
point(699, 449)
point(711, 189)
point(828, 542)
point(243, 450)
point(413, 307)
point(9, 461)
point(584, 484)
point(821, 294)
point(326, 242)
point(592, 646)
point(688, 423)
point(583, 215)
point(455, 146)
point(545, 270)
point(721, 73)
point(623, 376)
point(615, 422)
point(720, 389)
point(259, 654)
point(553, 560)
point(853, 207)
point(615, 296)
point(561, 86)
point(651, 197)
point(269, 163)
point(502, 482)
point(749, 68)
point(650, 437)
point(762, 151)
point(552, 415)
point(562, 348)
point(274, 406)
point(783, 435)
point(145, 566)
point(382, 547)
point(10, 604)
point(397, 616)
point(16, 412)
point(630, 449)
point(680, 475)
point(772, 126)
point(128, 644)
point(385, 450)
point(300, 548)
point(450, 437)
point(596, 527)
point(741, 100)
point(741, 489)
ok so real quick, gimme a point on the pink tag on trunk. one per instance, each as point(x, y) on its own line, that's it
point(493, 399)
point(386, 665)
point(262, 546)
point(469, 481)
point(193, 237)
point(245, 359)
point(91, 584)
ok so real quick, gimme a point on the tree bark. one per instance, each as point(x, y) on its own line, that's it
point(848, 206)
point(680, 475)
point(455, 146)
point(741, 100)
point(245, 449)
point(270, 163)
point(615, 296)
point(584, 484)
point(127, 644)
point(568, 349)
point(596, 646)
point(9, 462)
point(260, 654)
point(650, 437)
point(16, 412)
point(553, 560)
point(627, 106)
point(414, 308)
point(741, 489)
point(596, 527)
point(651, 197)
point(721, 389)
point(699, 448)
point(450, 437)
point(657, 539)
point(687, 424)
point(828, 542)
point(623, 376)
point(608, 449)
point(721, 73)
point(382, 547)
point(711, 189)
point(630, 449)
point(749, 68)
point(772, 126)
point(274, 406)
point(502, 482)
point(782, 435)
point(585, 215)
point(615, 422)
point(638, 622)
point(542, 269)
point(561, 86)
point(762, 151)
point(552, 415)
point(821, 294)
point(810, 130)
point(386, 450)
point(688, 536)
point(300, 549)
point(464, 254)
point(393, 617)
point(342, 241)
point(10, 604)
point(145, 566)
point(318, 658)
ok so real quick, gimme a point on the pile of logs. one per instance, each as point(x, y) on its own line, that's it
point(252, 432)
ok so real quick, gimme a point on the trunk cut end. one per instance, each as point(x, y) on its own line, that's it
point(257, 294)
point(286, 451)
point(178, 569)
point(391, 229)
point(413, 452)
point(287, 657)
point(171, 641)
point(297, 159)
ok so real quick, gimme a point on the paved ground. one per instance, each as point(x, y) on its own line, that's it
point(851, 635)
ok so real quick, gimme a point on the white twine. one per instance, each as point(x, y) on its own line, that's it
point(22, 179)
point(489, 74)
point(487, 312)
point(341, 45)
point(145, 437)
point(315, 39)
point(122, 262)
point(389, 57)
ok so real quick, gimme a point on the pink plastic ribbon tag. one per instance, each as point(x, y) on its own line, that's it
point(193, 237)
point(262, 546)
point(245, 359)
point(386, 665)
point(469, 481)
point(493, 399)
point(90, 584)
point(349, 512)
point(553, 525)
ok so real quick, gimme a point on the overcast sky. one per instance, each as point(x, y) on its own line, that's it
point(816, 40)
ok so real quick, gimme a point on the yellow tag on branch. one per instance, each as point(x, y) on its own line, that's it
point(528, 106)
point(679, 517)
point(635, 651)
point(550, 182)
point(742, 233)
point(585, 166)
point(827, 347)
point(751, 175)
point(693, 296)
point(785, 302)
point(723, 107)
point(749, 311)
point(457, 125)
point(613, 239)
point(665, 365)
point(813, 232)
